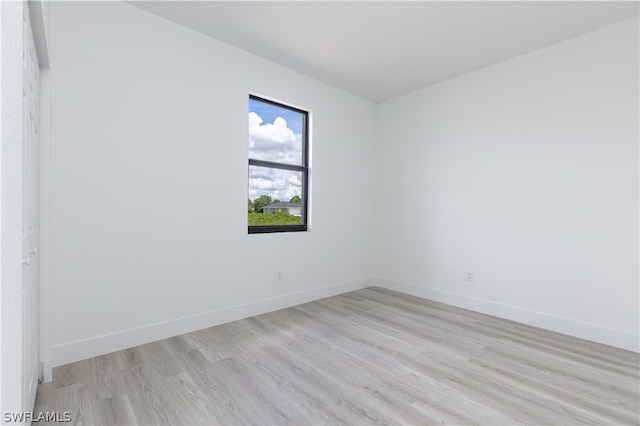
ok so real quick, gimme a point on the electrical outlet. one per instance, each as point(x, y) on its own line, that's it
point(470, 276)
point(279, 275)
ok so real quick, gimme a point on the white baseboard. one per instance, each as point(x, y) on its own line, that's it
point(593, 332)
point(100, 345)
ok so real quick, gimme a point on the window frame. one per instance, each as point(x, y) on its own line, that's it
point(303, 169)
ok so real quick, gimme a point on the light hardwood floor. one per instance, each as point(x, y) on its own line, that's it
point(368, 357)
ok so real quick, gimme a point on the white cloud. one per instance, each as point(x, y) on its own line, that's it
point(274, 142)
point(295, 180)
point(280, 184)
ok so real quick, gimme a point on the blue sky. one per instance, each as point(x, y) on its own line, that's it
point(269, 113)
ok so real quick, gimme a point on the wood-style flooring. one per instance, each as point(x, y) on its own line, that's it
point(368, 357)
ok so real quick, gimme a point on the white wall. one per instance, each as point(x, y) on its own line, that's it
point(526, 173)
point(11, 139)
point(149, 183)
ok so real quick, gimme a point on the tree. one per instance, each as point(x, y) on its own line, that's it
point(250, 206)
point(260, 202)
point(296, 199)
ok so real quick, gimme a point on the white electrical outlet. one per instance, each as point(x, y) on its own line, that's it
point(470, 276)
point(279, 275)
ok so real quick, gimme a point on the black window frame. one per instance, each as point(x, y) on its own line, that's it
point(303, 168)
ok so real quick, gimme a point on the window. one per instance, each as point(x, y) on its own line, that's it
point(278, 167)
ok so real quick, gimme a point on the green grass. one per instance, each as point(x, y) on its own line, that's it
point(264, 219)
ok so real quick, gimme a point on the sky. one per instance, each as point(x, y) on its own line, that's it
point(275, 134)
point(269, 112)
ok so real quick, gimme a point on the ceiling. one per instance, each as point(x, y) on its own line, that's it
point(382, 49)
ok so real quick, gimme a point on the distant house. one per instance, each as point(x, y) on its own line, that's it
point(293, 209)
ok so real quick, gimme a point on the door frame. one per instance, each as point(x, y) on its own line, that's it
point(30, 219)
point(39, 13)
